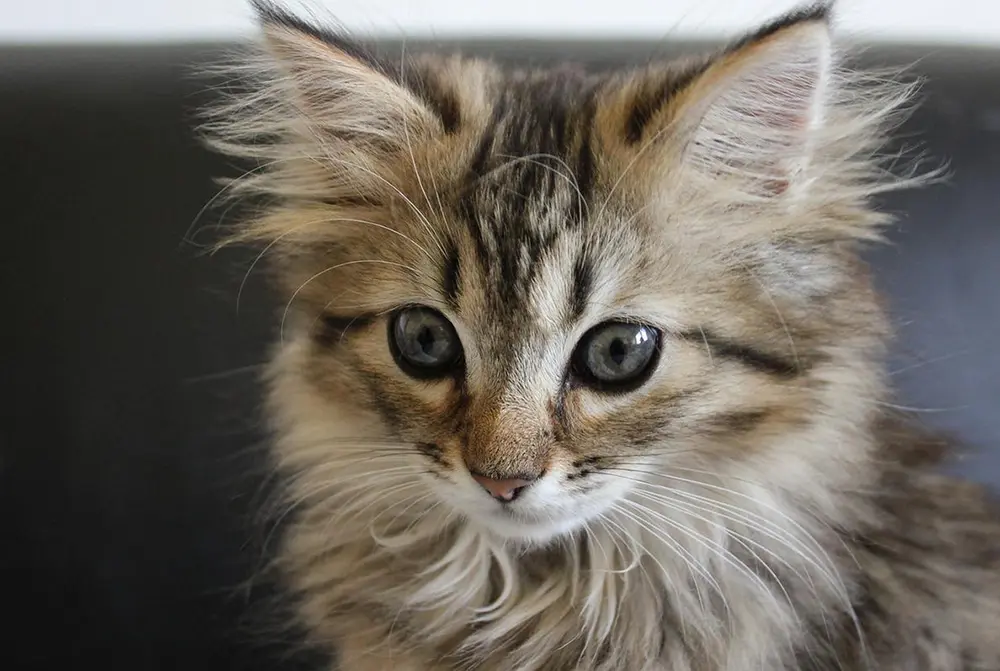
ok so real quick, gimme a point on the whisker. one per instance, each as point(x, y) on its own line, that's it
point(222, 375)
point(420, 183)
point(720, 550)
point(375, 498)
point(230, 185)
point(288, 305)
point(698, 538)
point(569, 175)
point(827, 567)
point(908, 408)
point(820, 561)
point(744, 541)
point(682, 552)
point(314, 222)
point(631, 164)
point(421, 217)
point(415, 501)
point(929, 362)
point(637, 556)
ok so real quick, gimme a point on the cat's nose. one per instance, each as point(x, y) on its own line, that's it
point(504, 490)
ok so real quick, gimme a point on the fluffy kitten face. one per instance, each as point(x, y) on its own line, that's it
point(464, 246)
point(516, 405)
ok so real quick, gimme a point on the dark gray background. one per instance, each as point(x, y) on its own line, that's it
point(129, 448)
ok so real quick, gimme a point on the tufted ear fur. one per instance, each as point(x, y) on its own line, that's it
point(327, 122)
point(772, 137)
point(341, 91)
point(755, 112)
point(766, 154)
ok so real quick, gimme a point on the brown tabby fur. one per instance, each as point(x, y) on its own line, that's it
point(752, 505)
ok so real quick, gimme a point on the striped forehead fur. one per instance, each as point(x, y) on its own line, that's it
point(714, 516)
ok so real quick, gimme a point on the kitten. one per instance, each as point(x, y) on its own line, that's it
point(583, 371)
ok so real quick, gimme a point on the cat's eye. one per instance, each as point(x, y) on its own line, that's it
point(423, 342)
point(616, 356)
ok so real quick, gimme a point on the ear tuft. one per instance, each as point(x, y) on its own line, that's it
point(816, 13)
point(286, 34)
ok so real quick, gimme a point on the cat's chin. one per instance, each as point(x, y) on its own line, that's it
point(513, 527)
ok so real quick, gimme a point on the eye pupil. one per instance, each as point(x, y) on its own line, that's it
point(617, 350)
point(426, 340)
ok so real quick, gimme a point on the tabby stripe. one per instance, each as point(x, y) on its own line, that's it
point(442, 101)
point(648, 102)
point(480, 165)
point(765, 362)
point(583, 283)
point(480, 160)
point(585, 158)
point(736, 421)
point(387, 405)
point(450, 278)
point(819, 11)
point(272, 14)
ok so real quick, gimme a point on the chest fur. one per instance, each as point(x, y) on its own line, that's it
point(596, 604)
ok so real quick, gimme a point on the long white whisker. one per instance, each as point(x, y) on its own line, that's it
point(569, 175)
point(827, 567)
point(681, 551)
point(409, 506)
point(420, 183)
point(821, 562)
point(644, 552)
point(230, 185)
point(721, 551)
point(753, 520)
point(288, 305)
point(370, 500)
point(421, 217)
point(628, 167)
point(699, 538)
point(314, 222)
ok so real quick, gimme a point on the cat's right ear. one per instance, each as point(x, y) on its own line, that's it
point(325, 121)
point(341, 90)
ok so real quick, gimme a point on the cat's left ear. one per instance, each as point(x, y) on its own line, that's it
point(753, 117)
point(744, 124)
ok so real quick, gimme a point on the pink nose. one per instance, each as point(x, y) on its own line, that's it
point(502, 490)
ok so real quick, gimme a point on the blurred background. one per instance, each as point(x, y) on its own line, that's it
point(965, 22)
point(130, 447)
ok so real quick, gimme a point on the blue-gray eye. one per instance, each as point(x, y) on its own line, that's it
point(423, 342)
point(616, 356)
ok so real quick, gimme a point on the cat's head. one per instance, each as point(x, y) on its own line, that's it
point(531, 297)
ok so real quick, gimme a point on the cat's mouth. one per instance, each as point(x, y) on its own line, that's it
point(511, 512)
point(538, 516)
point(547, 507)
point(523, 517)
